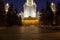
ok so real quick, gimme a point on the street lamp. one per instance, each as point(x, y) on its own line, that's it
point(53, 7)
point(7, 7)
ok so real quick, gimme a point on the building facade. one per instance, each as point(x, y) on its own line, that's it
point(29, 9)
point(30, 14)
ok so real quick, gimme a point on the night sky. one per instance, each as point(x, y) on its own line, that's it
point(19, 3)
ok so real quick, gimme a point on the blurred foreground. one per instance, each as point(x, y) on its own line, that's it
point(28, 33)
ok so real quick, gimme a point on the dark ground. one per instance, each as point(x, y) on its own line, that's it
point(27, 33)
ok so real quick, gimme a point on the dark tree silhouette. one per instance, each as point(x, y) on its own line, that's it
point(2, 13)
point(12, 18)
point(49, 14)
point(20, 20)
point(58, 14)
point(42, 18)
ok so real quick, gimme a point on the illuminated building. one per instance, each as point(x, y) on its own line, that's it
point(29, 9)
point(30, 16)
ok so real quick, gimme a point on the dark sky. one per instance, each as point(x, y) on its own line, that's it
point(19, 3)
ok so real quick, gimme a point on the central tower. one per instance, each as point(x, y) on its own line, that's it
point(29, 2)
point(29, 9)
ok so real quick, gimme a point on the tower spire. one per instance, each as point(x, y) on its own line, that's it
point(29, 2)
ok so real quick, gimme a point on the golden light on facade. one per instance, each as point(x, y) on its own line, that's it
point(30, 21)
point(30, 16)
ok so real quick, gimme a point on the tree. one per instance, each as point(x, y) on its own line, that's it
point(42, 18)
point(58, 14)
point(2, 13)
point(20, 20)
point(12, 18)
point(49, 14)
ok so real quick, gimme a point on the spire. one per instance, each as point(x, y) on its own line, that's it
point(29, 2)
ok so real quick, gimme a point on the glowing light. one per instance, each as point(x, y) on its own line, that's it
point(53, 7)
point(52, 3)
point(19, 13)
point(7, 4)
point(7, 7)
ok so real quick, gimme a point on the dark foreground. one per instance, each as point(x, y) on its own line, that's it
point(27, 33)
